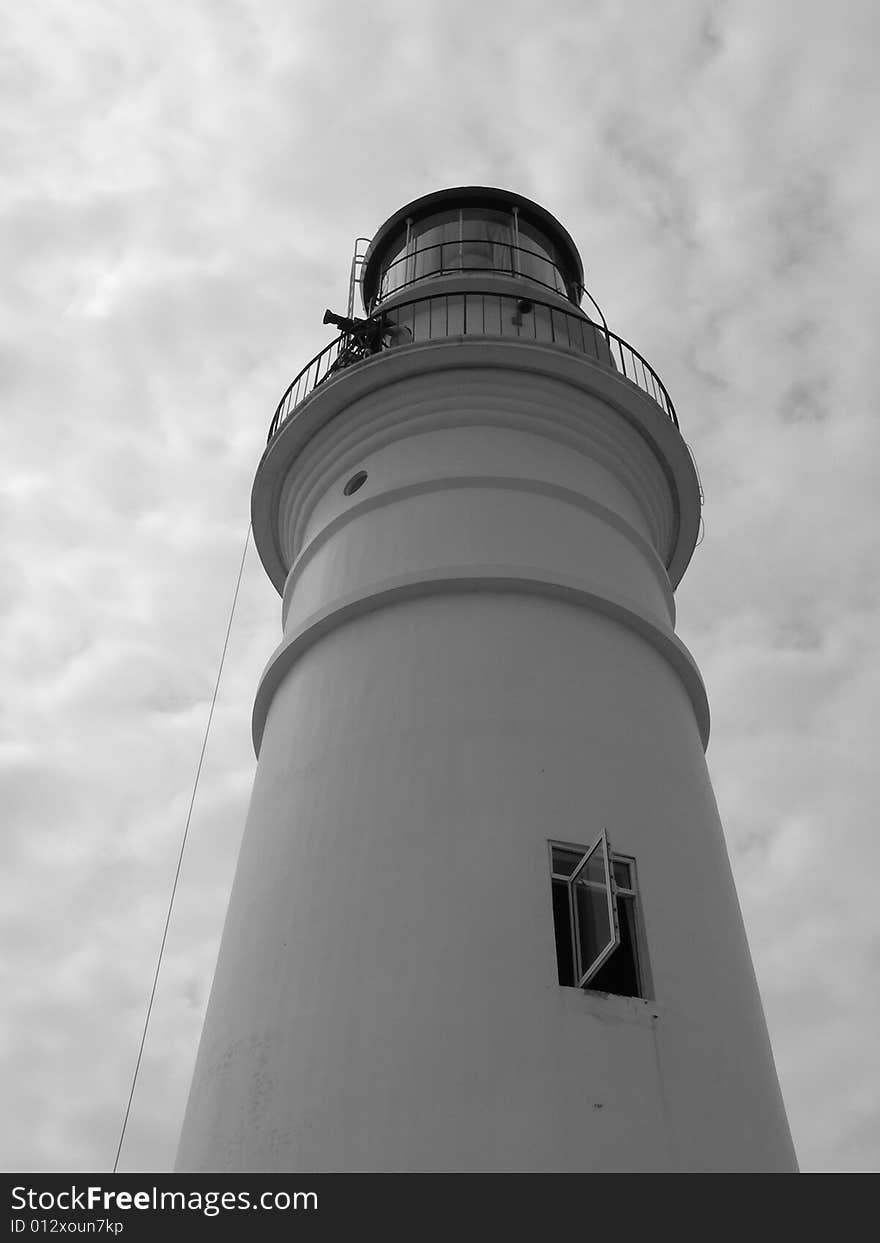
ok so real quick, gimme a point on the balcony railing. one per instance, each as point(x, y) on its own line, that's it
point(486, 315)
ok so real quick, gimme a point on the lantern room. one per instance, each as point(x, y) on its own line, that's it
point(471, 229)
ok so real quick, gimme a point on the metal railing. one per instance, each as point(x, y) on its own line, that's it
point(477, 314)
point(505, 258)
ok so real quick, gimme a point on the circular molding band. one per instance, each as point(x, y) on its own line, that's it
point(454, 580)
point(509, 483)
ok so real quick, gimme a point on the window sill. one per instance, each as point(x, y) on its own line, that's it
point(610, 1006)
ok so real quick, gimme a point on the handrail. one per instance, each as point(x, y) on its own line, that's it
point(473, 313)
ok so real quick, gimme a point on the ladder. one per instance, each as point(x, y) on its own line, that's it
point(357, 271)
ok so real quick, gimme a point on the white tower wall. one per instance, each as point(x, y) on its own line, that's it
point(478, 656)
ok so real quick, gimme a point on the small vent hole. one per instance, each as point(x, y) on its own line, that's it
point(356, 481)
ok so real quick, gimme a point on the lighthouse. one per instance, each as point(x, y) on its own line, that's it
point(483, 917)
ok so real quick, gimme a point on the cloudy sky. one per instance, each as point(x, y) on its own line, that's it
point(183, 182)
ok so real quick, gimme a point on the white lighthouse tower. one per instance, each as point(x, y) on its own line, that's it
point(483, 916)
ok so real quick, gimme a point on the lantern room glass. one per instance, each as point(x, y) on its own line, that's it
point(472, 239)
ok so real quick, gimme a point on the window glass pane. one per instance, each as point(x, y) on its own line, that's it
point(593, 920)
point(533, 240)
point(486, 240)
point(476, 254)
point(486, 224)
point(441, 227)
point(436, 243)
point(535, 257)
point(394, 270)
point(620, 973)
point(428, 259)
point(595, 932)
point(453, 256)
point(622, 877)
point(566, 860)
point(502, 253)
point(536, 268)
point(562, 929)
point(593, 872)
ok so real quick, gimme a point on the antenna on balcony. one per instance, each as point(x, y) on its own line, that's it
point(357, 268)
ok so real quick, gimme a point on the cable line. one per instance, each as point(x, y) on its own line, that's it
point(180, 852)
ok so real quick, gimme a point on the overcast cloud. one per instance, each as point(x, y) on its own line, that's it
point(182, 186)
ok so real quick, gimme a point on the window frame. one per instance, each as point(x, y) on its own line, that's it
point(630, 894)
point(601, 846)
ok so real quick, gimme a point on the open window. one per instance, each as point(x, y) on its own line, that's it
point(595, 918)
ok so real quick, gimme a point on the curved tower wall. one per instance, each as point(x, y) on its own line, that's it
point(478, 656)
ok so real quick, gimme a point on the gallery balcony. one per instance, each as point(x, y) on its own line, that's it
point(474, 315)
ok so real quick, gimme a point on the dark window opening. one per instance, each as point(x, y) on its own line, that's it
point(620, 974)
point(575, 871)
point(562, 924)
